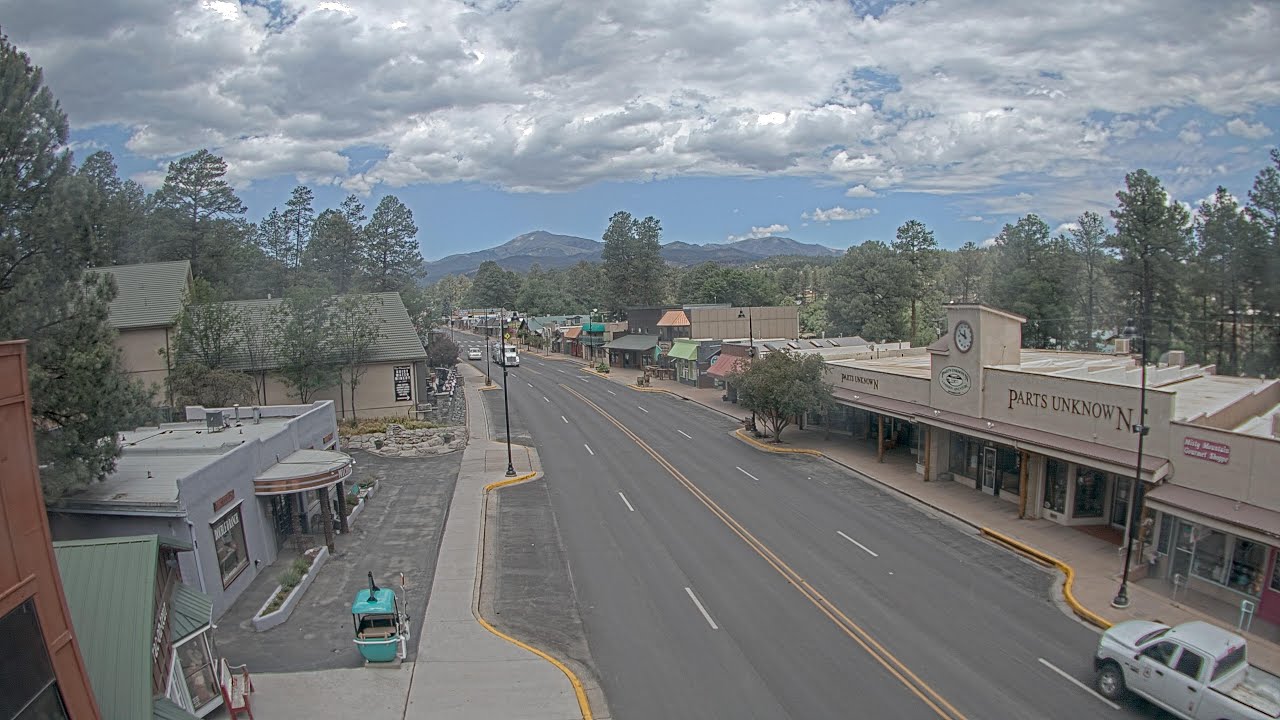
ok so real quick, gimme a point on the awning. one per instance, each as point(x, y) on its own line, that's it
point(303, 470)
point(634, 342)
point(900, 409)
point(1224, 514)
point(683, 351)
point(724, 366)
point(192, 612)
point(1103, 457)
point(674, 318)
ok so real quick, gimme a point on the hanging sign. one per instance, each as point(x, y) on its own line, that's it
point(403, 383)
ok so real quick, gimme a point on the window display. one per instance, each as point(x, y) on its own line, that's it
point(1055, 485)
point(228, 543)
point(1210, 557)
point(1248, 559)
point(1091, 492)
point(1009, 462)
point(198, 670)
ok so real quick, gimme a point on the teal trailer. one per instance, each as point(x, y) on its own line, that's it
point(381, 624)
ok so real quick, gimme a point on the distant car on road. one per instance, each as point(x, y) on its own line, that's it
point(474, 354)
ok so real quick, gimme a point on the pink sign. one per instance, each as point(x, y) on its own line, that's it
point(1207, 450)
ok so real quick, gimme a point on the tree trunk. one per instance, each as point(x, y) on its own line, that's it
point(342, 509)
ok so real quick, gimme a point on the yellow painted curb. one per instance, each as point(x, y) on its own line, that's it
point(1084, 613)
point(742, 435)
point(578, 690)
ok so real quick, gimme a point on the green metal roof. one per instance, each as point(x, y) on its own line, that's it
point(399, 340)
point(165, 709)
point(683, 350)
point(148, 295)
point(192, 611)
point(593, 327)
point(634, 342)
point(110, 588)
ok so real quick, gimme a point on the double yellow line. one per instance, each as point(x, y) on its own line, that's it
point(896, 668)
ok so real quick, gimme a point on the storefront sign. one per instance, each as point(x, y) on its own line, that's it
point(954, 380)
point(224, 501)
point(157, 638)
point(870, 382)
point(404, 386)
point(1123, 417)
point(1207, 450)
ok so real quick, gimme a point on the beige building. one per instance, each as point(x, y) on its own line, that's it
point(1052, 433)
point(390, 381)
point(144, 314)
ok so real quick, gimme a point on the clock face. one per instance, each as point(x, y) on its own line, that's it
point(964, 336)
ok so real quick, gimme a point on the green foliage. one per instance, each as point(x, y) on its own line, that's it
point(301, 565)
point(200, 217)
point(356, 326)
point(1034, 277)
point(208, 329)
point(867, 295)
point(194, 383)
point(370, 426)
point(633, 265)
point(493, 287)
point(916, 247)
point(1088, 242)
point(302, 336)
point(79, 393)
point(813, 318)
point(710, 282)
point(442, 351)
point(965, 272)
point(337, 246)
point(1152, 241)
point(392, 260)
point(780, 387)
point(296, 223)
point(602, 367)
point(290, 578)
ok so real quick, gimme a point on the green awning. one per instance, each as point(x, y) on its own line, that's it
point(634, 342)
point(166, 709)
point(683, 351)
point(192, 612)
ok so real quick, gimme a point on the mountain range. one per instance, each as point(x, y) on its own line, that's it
point(560, 251)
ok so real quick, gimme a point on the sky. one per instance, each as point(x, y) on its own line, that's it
point(825, 121)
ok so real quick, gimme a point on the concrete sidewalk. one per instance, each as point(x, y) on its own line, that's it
point(1097, 563)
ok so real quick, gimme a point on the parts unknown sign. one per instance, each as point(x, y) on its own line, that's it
point(404, 383)
point(1207, 450)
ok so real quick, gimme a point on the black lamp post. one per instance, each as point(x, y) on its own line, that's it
point(751, 333)
point(506, 404)
point(488, 352)
point(1121, 599)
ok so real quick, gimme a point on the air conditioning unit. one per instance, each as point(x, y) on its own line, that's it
point(1122, 346)
point(214, 421)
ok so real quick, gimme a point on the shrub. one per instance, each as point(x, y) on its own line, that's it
point(603, 367)
point(290, 578)
point(302, 565)
point(369, 426)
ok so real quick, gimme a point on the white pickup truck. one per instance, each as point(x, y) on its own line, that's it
point(1195, 671)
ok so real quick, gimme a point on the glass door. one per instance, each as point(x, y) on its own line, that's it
point(1184, 547)
point(1120, 503)
point(989, 471)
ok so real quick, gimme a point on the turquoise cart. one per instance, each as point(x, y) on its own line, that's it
point(381, 623)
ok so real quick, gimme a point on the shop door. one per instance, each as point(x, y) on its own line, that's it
point(1184, 546)
point(1269, 606)
point(1120, 504)
point(989, 471)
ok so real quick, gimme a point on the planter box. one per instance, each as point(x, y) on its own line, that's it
point(266, 620)
point(355, 513)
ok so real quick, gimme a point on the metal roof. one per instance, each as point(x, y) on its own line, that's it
point(634, 342)
point(165, 709)
point(192, 612)
point(398, 341)
point(110, 587)
point(147, 295)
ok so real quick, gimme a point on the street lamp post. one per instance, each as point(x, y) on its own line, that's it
point(1121, 599)
point(488, 353)
point(751, 350)
point(506, 403)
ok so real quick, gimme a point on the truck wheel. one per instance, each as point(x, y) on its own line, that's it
point(1111, 681)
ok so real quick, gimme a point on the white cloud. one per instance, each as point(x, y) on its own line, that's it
point(962, 97)
point(1065, 228)
point(759, 231)
point(989, 242)
point(838, 213)
point(1252, 131)
point(1190, 133)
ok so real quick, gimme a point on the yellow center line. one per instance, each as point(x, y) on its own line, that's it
point(864, 639)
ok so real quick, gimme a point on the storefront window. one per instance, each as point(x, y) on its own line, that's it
point(1210, 561)
point(228, 542)
point(1055, 485)
point(1008, 461)
point(197, 668)
point(1275, 577)
point(1091, 491)
point(957, 453)
point(1248, 559)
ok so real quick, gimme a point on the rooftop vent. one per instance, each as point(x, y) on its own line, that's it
point(214, 421)
point(1122, 346)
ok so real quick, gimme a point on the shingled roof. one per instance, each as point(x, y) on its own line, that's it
point(147, 295)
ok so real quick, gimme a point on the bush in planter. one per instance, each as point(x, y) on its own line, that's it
point(603, 367)
point(302, 565)
point(290, 578)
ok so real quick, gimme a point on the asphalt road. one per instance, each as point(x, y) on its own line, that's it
point(717, 581)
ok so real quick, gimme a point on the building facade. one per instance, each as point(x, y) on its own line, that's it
point(144, 313)
point(41, 663)
point(235, 483)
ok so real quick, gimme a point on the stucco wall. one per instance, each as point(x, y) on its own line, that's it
point(140, 354)
point(375, 396)
point(782, 321)
point(1249, 473)
point(889, 385)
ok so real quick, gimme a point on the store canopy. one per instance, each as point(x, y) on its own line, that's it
point(1220, 513)
point(674, 318)
point(303, 470)
point(724, 366)
point(634, 343)
point(683, 351)
point(192, 613)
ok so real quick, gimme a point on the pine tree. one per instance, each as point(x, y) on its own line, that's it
point(392, 260)
point(1030, 277)
point(632, 261)
point(201, 209)
point(867, 295)
point(337, 247)
point(1264, 211)
point(1088, 241)
point(916, 246)
point(80, 395)
point(296, 223)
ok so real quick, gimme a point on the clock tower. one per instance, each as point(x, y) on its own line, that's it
point(979, 337)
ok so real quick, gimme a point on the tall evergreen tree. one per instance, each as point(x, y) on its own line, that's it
point(633, 265)
point(271, 235)
point(337, 247)
point(867, 296)
point(297, 221)
point(1227, 248)
point(1152, 240)
point(966, 272)
point(493, 287)
point(117, 211)
point(201, 209)
point(392, 259)
point(1264, 211)
point(1088, 242)
point(80, 395)
point(1032, 278)
point(916, 247)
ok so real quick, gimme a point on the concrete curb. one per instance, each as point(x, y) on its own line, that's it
point(742, 435)
point(262, 623)
point(579, 691)
point(1080, 610)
